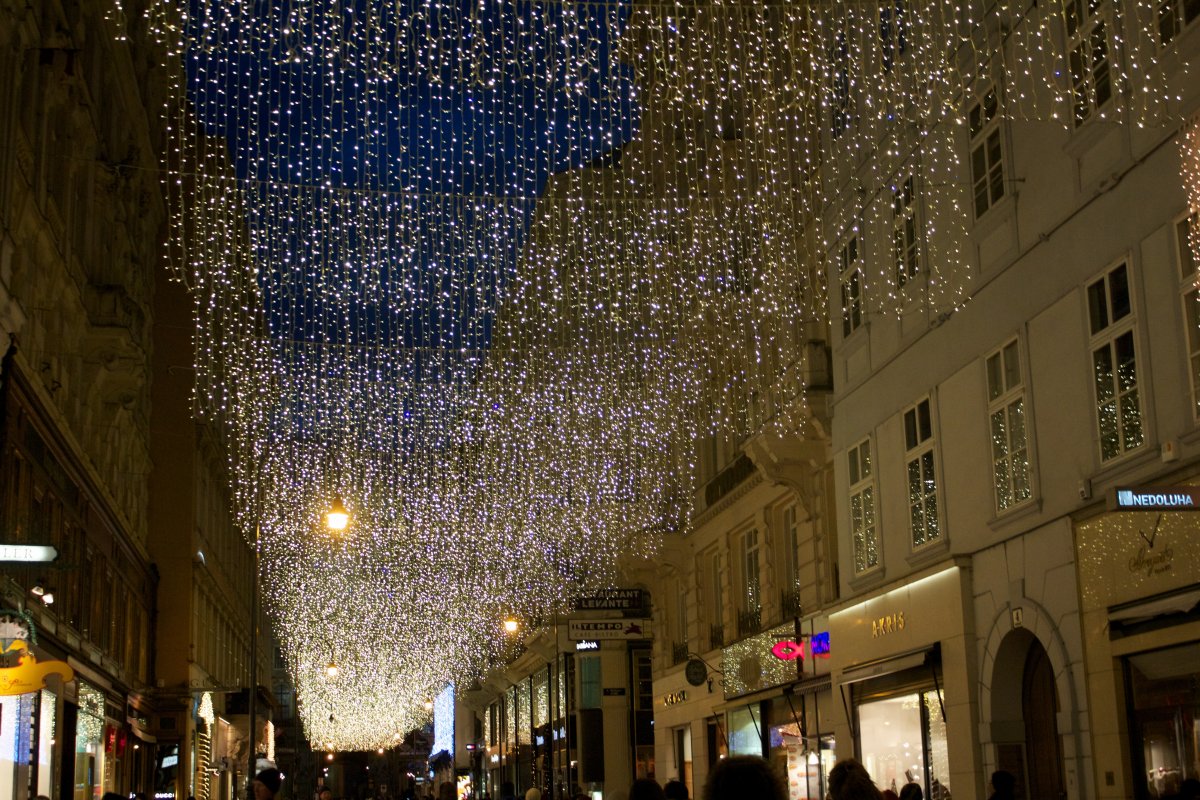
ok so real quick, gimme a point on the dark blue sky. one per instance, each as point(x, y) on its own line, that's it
point(396, 176)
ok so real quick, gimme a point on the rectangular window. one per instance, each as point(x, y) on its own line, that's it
point(1174, 16)
point(1088, 53)
point(681, 616)
point(1191, 300)
point(987, 154)
point(921, 474)
point(850, 270)
point(713, 598)
point(904, 231)
point(1006, 423)
point(893, 32)
point(1114, 364)
point(863, 528)
point(788, 560)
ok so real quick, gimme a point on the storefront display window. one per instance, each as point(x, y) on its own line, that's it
point(745, 731)
point(1164, 691)
point(89, 744)
point(47, 705)
point(902, 739)
point(802, 760)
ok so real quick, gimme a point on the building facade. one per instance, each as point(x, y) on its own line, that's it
point(80, 221)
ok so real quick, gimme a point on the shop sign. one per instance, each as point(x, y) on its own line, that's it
point(27, 553)
point(612, 600)
point(1155, 498)
point(675, 698)
point(615, 692)
point(888, 623)
point(595, 629)
point(791, 650)
point(587, 644)
point(17, 632)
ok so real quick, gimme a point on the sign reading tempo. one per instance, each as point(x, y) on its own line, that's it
point(600, 629)
point(27, 552)
point(1154, 498)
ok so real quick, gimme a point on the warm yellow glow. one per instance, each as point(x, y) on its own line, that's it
point(331, 671)
point(337, 518)
point(510, 625)
point(429, 705)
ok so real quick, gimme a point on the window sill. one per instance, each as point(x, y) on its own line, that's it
point(998, 213)
point(929, 553)
point(1115, 469)
point(1088, 134)
point(868, 580)
point(1028, 508)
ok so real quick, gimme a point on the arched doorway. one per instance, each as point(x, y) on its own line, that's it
point(1024, 717)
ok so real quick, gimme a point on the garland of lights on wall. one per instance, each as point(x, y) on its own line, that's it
point(486, 271)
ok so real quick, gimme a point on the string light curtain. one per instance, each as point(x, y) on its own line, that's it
point(485, 270)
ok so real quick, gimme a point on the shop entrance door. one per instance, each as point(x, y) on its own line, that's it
point(1039, 704)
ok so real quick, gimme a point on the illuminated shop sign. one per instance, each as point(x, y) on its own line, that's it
point(1155, 498)
point(675, 698)
point(27, 552)
point(587, 644)
point(791, 650)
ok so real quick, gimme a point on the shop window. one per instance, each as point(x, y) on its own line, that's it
point(1164, 703)
point(902, 739)
point(1006, 423)
point(589, 681)
point(1114, 363)
point(797, 752)
point(718, 743)
point(745, 731)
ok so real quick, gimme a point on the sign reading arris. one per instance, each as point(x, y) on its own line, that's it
point(1155, 498)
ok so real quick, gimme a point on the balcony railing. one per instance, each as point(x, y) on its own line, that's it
point(789, 603)
point(749, 622)
point(716, 637)
point(679, 652)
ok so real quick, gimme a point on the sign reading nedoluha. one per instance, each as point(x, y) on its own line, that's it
point(1154, 498)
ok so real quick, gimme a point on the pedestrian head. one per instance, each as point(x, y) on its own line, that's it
point(743, 778)
point(267, 783)
point(888, 794)
point(911, 791)
point(849, 780)
point(1004, 784)
point(533, 793)
point(646, 789)
point(675, 790)
point(326, 793)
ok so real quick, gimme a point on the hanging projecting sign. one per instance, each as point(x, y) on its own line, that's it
point(20, 672)
point(27, 552)
point(596, 629)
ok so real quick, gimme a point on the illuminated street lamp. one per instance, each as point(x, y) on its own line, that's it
point(331, 671)
point(337, 518)
point(511, 625)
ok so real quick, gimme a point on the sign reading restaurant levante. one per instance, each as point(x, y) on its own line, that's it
point(597, 629)
point(612, 600)
point(1154, 498)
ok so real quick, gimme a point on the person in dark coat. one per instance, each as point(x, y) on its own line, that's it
point(743, 778)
